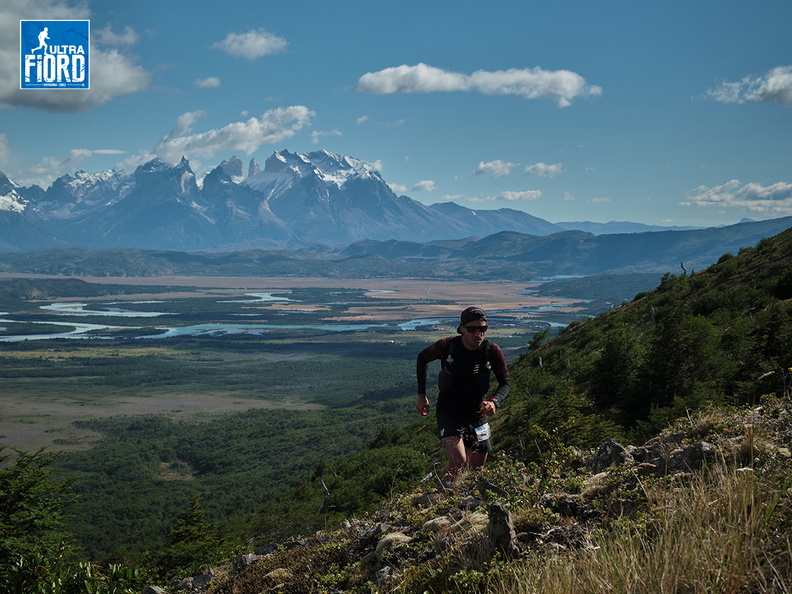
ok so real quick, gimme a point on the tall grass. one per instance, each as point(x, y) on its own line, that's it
point(714, 533)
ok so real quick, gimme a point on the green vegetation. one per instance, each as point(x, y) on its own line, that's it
point(722, 336)
point(714, 341)
point(704, 358)
point(36, 554)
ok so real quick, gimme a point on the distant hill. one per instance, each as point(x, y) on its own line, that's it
point(515, 255)
point(719, 336)
point(621, 227)
point(502, 256)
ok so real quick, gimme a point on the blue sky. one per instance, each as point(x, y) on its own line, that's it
point(673, 113)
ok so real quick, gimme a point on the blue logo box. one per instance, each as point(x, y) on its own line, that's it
point(54, 54)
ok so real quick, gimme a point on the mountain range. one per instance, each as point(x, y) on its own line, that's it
point(297, 201)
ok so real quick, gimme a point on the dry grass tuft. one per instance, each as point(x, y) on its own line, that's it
point(710, 533)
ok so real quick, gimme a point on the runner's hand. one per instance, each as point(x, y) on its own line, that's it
point(488, 408)
point(422, 404)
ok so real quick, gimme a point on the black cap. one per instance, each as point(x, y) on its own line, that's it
point(472, 314)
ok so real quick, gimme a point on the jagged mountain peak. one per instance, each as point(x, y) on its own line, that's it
point(81, 178)
point(313, 198)
point(153, 166)
point(234, 168)
point(157, 165)
point(326, 166)
point(6, 185)
point(10, 200)
point(253, 168)
point(159, 178)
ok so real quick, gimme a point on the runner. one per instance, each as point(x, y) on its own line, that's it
point(464, 381)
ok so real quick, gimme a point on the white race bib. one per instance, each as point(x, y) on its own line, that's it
point(483, 432)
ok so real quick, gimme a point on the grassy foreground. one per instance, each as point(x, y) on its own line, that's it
point(721, 525)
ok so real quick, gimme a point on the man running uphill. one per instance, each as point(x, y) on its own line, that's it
point(464, 381)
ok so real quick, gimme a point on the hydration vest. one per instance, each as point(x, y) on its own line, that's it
point(451, 379)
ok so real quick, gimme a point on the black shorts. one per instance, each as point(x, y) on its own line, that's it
point(449, 425)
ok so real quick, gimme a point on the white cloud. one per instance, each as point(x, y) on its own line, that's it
point(317, 135)
point(520, 196)
point(773, 87)
point(507, 195)
point(495, 168)
point(426, 185)
point(49, 167)
point(105, 36)
point(362, 119)
point(601, 200)
point(398, 188)
point(207, 83)
point(273, 126)
point(776, 198)
point(251, 45)
point(562, 86)
point(112, 73)
point(568, 197)
point(544, 170)
point(5, 147)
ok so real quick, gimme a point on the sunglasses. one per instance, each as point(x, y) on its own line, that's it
point(474, 329)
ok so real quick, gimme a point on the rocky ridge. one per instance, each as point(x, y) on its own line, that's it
point(439, 538)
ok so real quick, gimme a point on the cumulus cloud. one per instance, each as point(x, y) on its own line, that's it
point(426, 185)
point(520, 196)
point(774, 86)
point(49, 167)
point(543, 169)
point(495, 168)
point(317, 135)
point(507, 195)
point(108, 152)
point(43, 172)
point(112, 72)
point(207, 83)
point(776, 198)
point(251, 45)
point(561, 86)
point(271, 127)
point(106, 36)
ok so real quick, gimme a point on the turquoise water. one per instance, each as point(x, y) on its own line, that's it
point(122, 310)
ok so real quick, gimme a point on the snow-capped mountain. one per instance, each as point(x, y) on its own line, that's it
point(297, 200)
point(20, 227)
point(72, 194)
point(10, 199)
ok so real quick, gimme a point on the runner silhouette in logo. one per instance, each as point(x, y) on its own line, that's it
point(42, 37)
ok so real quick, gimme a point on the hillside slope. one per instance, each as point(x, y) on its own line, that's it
point(721, 336)
point(697, 374)
point(698, 371)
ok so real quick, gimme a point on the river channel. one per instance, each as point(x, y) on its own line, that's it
point(124, 310)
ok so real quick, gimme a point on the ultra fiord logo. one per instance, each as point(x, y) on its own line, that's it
point(54, 54)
